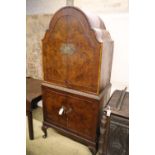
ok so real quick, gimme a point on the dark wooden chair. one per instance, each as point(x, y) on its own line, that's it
point(33, 95)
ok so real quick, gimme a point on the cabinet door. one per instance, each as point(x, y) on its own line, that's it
point(54, 60)
point(83, 117)
point(83, 63)
point(52, 102)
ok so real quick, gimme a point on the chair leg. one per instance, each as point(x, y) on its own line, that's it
point(30, 125)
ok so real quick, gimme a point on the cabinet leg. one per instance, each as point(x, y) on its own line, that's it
point(92, 149)
point(44, 129)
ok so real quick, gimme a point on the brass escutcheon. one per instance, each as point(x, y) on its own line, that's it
point(67, 48)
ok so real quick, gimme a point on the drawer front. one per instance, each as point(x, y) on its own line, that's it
point(80, 115)
point(52, 102)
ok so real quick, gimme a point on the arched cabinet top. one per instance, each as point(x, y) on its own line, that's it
point(89, 21)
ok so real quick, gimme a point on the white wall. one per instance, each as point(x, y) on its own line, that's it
point(117, 25)
point(116, 21)
point(43, 6)
point(96, 6)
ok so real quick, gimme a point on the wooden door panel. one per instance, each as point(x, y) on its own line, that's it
point(83, 64)
point(55, 61)
point(83, 117)
point(53, 101)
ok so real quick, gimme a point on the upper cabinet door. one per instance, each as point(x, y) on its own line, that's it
point(83, 63)
point(54, 60)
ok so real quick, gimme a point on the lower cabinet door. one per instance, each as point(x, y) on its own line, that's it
point(82, 117)
point(79, 115)
point(52, 104)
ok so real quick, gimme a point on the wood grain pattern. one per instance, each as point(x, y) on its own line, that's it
point(76, 48)
point(80, 70)
point(82, 111)
point(81, 123)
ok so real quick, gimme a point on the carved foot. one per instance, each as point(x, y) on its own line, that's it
point(44, 129)
point(92, 149)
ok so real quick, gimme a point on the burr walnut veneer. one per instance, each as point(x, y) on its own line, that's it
point(77, 60)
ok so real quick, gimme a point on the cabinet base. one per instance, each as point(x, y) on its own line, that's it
point(91, 145)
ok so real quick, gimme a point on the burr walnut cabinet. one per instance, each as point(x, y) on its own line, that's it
point(77, 55)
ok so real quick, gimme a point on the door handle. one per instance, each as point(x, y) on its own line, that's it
point(64, 110)
point(61, 110)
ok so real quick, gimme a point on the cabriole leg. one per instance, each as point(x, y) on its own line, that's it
point(92, 149)
point(44, 129)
